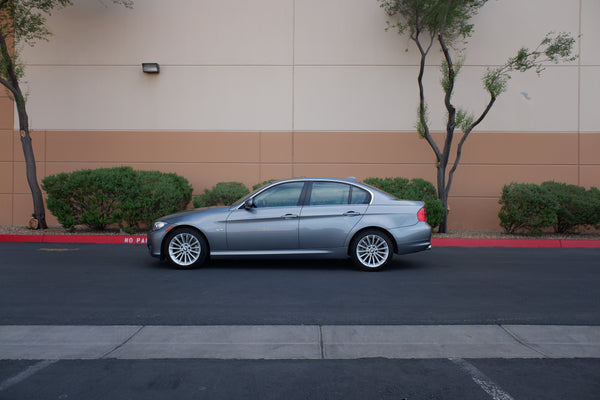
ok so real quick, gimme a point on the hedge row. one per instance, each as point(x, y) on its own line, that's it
point(102, 197)
point(225, 193)
point(533, 208)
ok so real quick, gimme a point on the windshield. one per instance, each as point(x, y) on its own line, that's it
point(243, 199)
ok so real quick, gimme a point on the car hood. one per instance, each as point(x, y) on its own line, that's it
point(197, 212)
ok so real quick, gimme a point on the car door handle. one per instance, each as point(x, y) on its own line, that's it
point(290, 216)
point(351, 214)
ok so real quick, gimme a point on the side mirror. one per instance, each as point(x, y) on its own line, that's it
point(249, 204)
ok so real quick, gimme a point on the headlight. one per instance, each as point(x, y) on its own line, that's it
point(158, 225)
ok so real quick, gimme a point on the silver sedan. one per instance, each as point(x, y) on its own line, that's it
point(311, 218)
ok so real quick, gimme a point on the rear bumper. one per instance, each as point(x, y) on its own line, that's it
point(412, 239)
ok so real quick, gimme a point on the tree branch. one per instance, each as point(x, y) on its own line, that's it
point(13, 85)
point(451, 124)
point(483, 114)
point(10, 87)
point(464, 139)
point(422, 108)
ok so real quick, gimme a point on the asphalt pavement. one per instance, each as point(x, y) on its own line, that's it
point(96, 284)
point(377, 378)
point(449, 323)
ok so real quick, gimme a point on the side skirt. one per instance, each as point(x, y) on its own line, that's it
point(305, 253)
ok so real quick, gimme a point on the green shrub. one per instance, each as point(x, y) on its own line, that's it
point(223, 193)
point(394, 186)
point(101, 197)
point(265, 183)
point(527, 206)
point(594, 196)
point(552, 204)
point(153, 195)
point(576, 206)
point(87, 196)
point(416, 189)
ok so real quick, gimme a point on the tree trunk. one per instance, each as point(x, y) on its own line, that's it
point(443, 228)
point(39, 212)
point(11, 81)
point(443, 195)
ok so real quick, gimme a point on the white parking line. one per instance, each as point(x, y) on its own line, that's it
point(485, 383)
point(25, 374)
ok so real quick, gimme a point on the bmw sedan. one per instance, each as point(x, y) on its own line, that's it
point(317, 217)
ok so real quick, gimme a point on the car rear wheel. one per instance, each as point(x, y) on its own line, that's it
point(371, 250)
point(186, 248)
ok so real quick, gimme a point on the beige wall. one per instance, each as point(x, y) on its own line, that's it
point(286, 65)
point(258, 89)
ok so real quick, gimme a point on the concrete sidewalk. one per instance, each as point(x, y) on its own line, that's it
point(35, 342)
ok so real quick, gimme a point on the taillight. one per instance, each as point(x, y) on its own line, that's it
point(422, 215)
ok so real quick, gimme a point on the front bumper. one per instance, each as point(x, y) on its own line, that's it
point(154, 243)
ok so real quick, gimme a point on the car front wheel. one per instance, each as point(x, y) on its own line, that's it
point(186, 248)
point(371, 250)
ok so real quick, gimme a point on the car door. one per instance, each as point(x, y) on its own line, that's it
point(272, 222)
point(330, 213)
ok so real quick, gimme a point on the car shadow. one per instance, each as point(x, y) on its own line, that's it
point(398, 263)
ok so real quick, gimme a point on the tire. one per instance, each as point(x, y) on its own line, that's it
point(185, 248)
point(371, 250)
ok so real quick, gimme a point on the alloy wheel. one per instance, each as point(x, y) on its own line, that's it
point(372, 251)
point(184, 249)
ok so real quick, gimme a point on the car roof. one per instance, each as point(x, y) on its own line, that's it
point(344, 180)
point(350, 180)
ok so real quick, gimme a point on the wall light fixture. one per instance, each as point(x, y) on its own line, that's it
point(150, 68)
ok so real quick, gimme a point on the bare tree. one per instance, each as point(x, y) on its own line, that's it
point(23, 22)
point(444, 24)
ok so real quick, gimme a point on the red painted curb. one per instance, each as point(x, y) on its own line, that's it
point(435, 242)
point(535, 243)
point(527, 243)
point(580, 244)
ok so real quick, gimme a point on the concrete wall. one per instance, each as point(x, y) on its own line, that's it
point(258, 89)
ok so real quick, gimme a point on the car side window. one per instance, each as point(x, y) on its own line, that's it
point(284, 195)
point(329, 193)
point(359, 196)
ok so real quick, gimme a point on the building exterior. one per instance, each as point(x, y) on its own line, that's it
point(251, 90)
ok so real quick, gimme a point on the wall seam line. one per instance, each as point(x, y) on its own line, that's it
point(579, 98)
point(293, 124)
